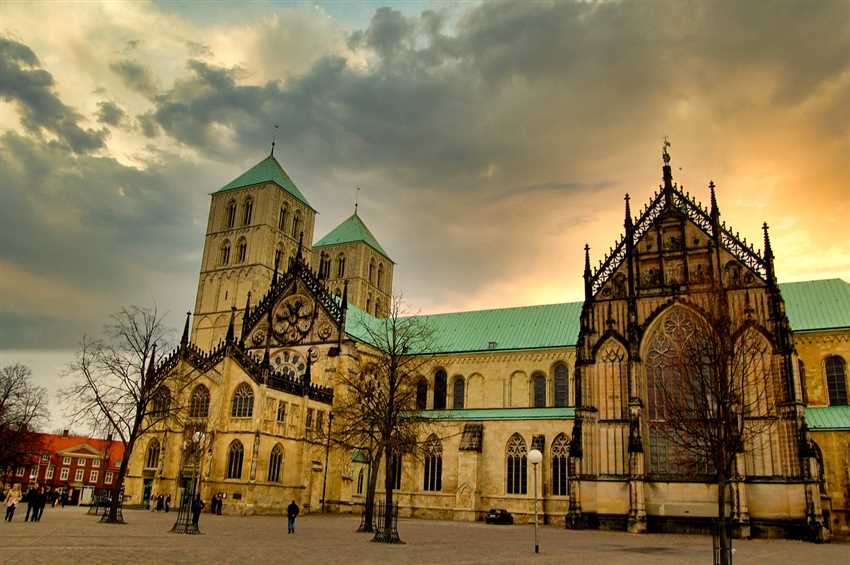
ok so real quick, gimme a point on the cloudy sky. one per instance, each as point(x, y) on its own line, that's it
point(491, 139)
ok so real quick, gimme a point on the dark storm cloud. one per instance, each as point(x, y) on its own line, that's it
point(31, 88)
point(148, 125)
point(135, 76)
point(110, 113)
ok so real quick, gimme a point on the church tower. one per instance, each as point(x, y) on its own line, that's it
point(350, 253)
point(255, 224)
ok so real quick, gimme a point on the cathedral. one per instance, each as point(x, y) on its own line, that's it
point(279, 316)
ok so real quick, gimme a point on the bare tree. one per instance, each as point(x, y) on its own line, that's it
point(116, 387)
point(23, 408)
point(377, 406)
point(713, 394)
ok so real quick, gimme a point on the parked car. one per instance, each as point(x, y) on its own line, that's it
point(498, 516)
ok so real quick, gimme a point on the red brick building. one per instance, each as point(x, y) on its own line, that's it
point(79, 466)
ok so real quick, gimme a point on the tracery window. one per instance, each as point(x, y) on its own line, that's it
point(340, 265)
point(836, 380)
point(199, 404)
point(395, 470)
point(230, 217)
point(324, 265)
point(440, 390)
point(561, 385)
point(243, 402)
point(249, 211)
point(457, 392)
point(235, 455)
point(433, 479)
point(516, 456)
point(275, 463)
point(225, 253)
point(152, 456)
point(539, 390)
point(422, 394)
point(281, 411)
point(241, 250)
point(281, 219)
point(560, 452)
point(161, 402)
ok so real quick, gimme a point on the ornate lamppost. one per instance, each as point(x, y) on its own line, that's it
point(535, 457)
point(192, 448)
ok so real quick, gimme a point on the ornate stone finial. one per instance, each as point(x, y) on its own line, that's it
point(628, 222)
point(185, 339)
point(586, 260)
point(715, 209)
point(768, 250)
point(665, 155)
point(667, 174)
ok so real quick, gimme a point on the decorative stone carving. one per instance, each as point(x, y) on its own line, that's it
point(293, 318)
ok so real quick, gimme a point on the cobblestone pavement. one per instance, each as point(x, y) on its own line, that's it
point(71, 536)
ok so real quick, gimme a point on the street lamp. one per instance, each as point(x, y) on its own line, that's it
point(535, 457)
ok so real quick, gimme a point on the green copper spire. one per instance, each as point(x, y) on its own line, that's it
point(267, 170)
point(351, 230)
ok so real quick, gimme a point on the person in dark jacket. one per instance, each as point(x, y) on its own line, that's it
point(167, 502)
point(31, 504)
point(291, 514)
point(197, 508)
point(39, 501)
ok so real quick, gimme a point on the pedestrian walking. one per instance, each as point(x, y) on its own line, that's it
point(160, 503)
point(167, 502)
point(38, 501)
point(291, 514)
point(11, 501)
point(29, 498)
point(197, 507)
point(220, 502)
point(63, 499)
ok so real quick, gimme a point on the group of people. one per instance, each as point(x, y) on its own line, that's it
point(36, 500)
point(216, 503)
point(160, 502)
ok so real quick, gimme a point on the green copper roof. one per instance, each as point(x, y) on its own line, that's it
point(565, 413)
point(351, 230)
point(267, 170)
point(817, 305)
point(828, 418)
point(811, 305)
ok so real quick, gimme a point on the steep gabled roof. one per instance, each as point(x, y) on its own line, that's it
point(352, 230)
point(810, 305)
point(267, 170)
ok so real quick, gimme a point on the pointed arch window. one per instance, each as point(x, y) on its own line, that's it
point(395, 470)
point(340, 265)
point(562, 395)
point(275, 464)
point(281, 219)
point(296, 224)
point(516, 456)
point(235, 456)
point(324, 265)
point(152, 454)
point(161, 402)
point(241, 251)
point(230, 216)
point(243, 402)
point(440, 390)
point(199, 404)
point(458, 388)
point(371, 271)
point(433, 479)
point(224, 259)
point(248, 211)
point(560, 452)
point(422, 394)
point(836, 380)
point(539, 390)
point(380, 275)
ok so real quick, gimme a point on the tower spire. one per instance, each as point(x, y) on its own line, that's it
point(628, 222)
point(586, 272)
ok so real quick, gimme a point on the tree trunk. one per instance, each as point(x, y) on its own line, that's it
point(723, 534)
point(112, 518)
point(371, 487)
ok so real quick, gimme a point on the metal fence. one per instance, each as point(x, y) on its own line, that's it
point(386, 532)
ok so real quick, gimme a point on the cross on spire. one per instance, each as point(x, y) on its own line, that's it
point(274, 139)
point(356, 198)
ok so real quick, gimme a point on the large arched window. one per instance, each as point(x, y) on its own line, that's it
point(241, 250)
point(433, 452)
point(275, 464)
point(296, 224)
point(422, 394)
point(371, 271)
point(340, 265)
point(517, 465)
point(230, 216)
point(235, 455)
point(562, 393)
point(199, 404)
point(243, 402)
point(281, 219)
point(458, 388)
point(538, 382)
point(380, 275)
point(224, 258)
point(836, 380)
point(440, 390)
point(152, 454)
point(560, 452)
point(248, 211)
point(161, 402)
point(395, 470)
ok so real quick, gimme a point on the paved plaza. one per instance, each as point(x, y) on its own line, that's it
point(72, 536)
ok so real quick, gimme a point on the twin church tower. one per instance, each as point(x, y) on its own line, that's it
point(257, 222)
